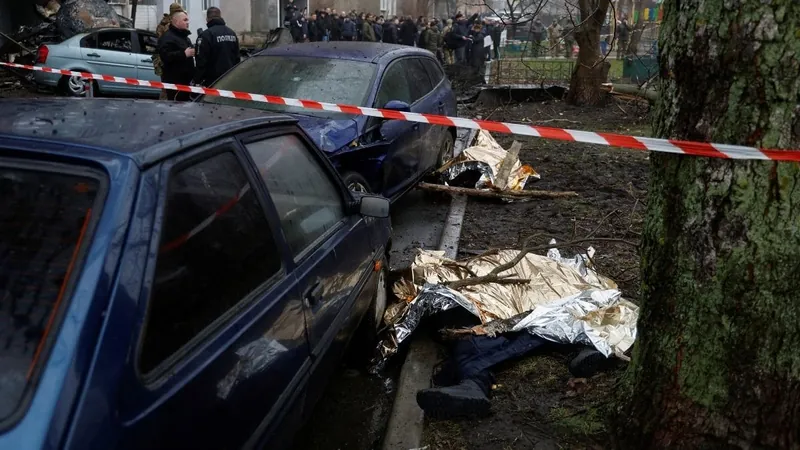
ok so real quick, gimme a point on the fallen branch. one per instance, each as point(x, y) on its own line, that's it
point(494, 275)
point(494, 194)
point(506, 165)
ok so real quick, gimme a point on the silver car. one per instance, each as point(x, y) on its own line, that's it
point(118, 52)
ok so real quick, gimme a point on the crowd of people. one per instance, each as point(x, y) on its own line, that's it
point(458, 39)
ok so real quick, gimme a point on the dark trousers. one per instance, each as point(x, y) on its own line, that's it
point(472, 357)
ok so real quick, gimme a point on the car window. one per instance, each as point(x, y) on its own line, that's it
point(89, 41)
point(394, 86)
point(215, 248)
point(417, 78)
point(119, 41)
point(44, 217)
point(148, 43)
point(308, 202)
point(434, 71)
point(309, 78)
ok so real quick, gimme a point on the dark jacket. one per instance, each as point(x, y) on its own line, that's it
point(378, 32)
point(313, 30)
point(367, 32)
point(324, 26)
point(455, 39)
point(171, 48)
point(336, 28)
point(217, 52)
point(408, 32)
point(390, 33)
point(348, 30)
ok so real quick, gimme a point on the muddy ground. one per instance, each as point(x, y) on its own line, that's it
point(536, 404)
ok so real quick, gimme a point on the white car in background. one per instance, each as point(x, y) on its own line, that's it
point(120, 52)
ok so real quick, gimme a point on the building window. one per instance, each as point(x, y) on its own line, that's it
point(208, 4)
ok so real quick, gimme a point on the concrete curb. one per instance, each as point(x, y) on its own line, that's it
point(406, 421)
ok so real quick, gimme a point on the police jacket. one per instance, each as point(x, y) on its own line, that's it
point(217, 52)
point(171, 48)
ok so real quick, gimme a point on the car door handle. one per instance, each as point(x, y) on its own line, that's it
point(312, 295)
point(93, 55)
point(147, 60)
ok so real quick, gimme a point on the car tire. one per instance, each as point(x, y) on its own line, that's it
point(446, 150)
point(356, 183)
point(365, 340)
point(72, 86)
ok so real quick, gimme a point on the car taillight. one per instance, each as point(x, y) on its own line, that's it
point(41, 55)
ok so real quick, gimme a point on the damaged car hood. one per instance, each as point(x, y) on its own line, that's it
point(329, 134)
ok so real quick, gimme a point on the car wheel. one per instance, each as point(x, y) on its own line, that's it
point(446, 151)
point(362, 346)
point(356, 183)
point(74, 86)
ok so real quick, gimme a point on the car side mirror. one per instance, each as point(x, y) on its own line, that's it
point(373, 206)
point(397, 105)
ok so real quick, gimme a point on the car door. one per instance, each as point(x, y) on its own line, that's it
point(146, 48)
point(424, 102)
point(402, 161)
point(222, 349)
point(332, 248)
point(111, 52)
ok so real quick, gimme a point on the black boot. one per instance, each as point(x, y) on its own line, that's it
point(589, 362)
point(467, 399)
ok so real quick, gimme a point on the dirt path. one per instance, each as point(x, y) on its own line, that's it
point(534, 404)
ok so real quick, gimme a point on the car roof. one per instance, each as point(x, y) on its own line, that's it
point(347, 50)
point(147, 130)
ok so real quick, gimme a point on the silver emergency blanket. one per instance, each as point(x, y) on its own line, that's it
point(485, 158)
point(566, 299)
point(599, 318)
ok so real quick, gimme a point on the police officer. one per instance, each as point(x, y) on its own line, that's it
point(217, 49)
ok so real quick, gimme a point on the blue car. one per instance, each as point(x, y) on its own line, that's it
point(371, 154)
point(173, 276)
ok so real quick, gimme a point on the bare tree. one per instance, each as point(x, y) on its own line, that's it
point(591, 69)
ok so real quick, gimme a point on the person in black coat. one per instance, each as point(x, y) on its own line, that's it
point(408, 32)
point(177, 54)
point(477, 55)
point(217, 49)
point(348, 30)
point(378, 27)
point(313, 29)
point(390, 31)
point(336, 27)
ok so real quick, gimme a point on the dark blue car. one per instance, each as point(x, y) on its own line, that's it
point(173, 276)
point(371, 154)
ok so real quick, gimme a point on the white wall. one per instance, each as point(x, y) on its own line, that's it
point(237, 14)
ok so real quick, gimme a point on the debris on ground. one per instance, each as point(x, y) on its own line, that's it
point(34, 23)
point(487, 170)
point(487, 165)
point(558, 299)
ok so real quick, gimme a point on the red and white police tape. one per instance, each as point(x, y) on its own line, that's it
point(589, 137)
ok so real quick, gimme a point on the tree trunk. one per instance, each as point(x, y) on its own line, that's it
point(638, 28)
point(717, 361)
point(590, 71)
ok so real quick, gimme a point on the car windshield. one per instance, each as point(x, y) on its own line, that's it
point(43, 222)
point(319, 79)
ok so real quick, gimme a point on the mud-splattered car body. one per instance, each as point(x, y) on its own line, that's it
point(371, 154)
